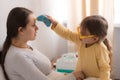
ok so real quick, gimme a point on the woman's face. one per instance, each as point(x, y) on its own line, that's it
point(29, 33)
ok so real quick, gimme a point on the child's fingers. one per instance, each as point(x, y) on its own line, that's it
point(51, 19)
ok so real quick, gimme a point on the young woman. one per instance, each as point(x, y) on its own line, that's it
point(19, 60)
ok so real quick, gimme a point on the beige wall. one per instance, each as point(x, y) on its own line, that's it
point(47, 41)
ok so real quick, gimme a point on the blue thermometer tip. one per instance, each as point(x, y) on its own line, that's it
point(44, 19)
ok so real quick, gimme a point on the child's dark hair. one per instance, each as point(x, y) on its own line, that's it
point(18, 17)
point(98, 26)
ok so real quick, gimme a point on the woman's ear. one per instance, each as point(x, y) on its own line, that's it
point(20, 29)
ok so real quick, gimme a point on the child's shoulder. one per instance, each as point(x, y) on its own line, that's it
point(102, 48)
point(101, 45)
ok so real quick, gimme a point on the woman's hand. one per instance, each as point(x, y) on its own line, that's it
point(53, 62)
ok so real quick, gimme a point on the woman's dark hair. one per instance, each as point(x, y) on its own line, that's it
point(18, 17)
point(98, 25)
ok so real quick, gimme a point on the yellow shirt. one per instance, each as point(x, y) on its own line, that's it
point(94, 60)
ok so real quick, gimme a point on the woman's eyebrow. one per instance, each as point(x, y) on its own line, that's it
point(34, 21)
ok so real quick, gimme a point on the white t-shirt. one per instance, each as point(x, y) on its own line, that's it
point(26, 64)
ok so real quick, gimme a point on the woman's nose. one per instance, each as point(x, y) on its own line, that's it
point(36, 27)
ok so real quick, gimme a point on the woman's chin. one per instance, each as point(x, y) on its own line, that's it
point(33, 38)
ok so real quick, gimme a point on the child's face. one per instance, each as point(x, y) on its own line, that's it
point(86, 37)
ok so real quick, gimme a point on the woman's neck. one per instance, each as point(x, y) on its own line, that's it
point(19, 43)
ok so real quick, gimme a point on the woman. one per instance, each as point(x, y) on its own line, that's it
point(21, 61)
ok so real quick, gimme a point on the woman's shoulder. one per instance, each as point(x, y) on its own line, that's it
point(14, 53)
point(15, 50)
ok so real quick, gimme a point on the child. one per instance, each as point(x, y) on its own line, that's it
point(93, 53)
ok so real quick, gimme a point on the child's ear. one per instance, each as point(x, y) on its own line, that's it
point(96, 38)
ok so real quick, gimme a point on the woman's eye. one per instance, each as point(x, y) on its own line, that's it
point(34, 25)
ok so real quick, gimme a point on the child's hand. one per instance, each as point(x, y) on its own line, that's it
point(53, 21)
point(79, 75)
point(79, 79)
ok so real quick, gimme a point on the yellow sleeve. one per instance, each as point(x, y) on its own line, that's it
point(104, 63)
point(78, 66)
point(66, 33)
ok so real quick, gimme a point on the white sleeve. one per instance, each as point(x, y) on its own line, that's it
point(60, 76)
point(27, 69)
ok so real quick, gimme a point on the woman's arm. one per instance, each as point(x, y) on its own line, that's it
point(26, 68)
